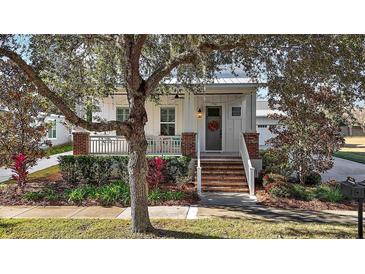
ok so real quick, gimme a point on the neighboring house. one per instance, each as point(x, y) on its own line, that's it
point(59, 133)
point(263, 121)
point(217, 125)
point(352, 131)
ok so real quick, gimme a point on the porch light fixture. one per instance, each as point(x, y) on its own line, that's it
point(199, 113)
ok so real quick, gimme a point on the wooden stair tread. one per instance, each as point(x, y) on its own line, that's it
point(223, 174)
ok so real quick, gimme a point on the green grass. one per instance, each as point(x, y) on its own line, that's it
point(40, 174)
point(358, 157)
point(203, 228)
point(58, 149)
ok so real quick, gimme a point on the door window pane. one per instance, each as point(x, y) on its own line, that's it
point(213, 112)
point(236, 111)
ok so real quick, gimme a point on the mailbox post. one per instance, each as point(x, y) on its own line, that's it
point(355, 191)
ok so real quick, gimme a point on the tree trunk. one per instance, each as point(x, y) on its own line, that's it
point(137, 166)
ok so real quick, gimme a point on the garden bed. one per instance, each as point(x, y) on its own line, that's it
point(48, 191)
point(88, 181)
point(286, 203)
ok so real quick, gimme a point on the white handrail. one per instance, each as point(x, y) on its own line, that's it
point(249, 169)
point(198, 168)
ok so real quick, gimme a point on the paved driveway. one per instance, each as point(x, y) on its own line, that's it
point(343, 168)
point(5, 174)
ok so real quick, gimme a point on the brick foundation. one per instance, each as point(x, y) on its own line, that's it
point(252, 143)
point(81, 143)
point(188, 144)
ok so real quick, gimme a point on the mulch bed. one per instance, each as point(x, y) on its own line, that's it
point(10, 197)
point(286, 203)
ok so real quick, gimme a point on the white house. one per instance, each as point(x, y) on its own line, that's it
point(263, 121)
point(217, 126)
point(59, 133)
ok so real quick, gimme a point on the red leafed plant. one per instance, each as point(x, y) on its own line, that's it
point(155, 174)
point(20, 168)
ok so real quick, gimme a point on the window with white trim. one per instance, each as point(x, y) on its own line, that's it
point(167, 121)
point(262, 126)
point(122, 114)
point(52, 131)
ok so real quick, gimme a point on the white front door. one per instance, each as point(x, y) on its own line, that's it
point(213, 128)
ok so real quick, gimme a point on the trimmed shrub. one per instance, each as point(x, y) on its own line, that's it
point(98, 170)
point(272, 178)
point(314, 178)
point(176, 167)
point(300, 192)
point(279, 190)
point(275, 162)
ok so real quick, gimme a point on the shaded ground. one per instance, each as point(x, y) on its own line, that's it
point(181, 229)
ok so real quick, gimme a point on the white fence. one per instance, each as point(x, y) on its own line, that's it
point(159, 145)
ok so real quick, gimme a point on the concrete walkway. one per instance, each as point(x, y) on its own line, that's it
point(249, 211)
point(342, 169)
point(5, 174)
point(74, 212)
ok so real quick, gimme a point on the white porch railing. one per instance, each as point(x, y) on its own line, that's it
point(159, 145)
point(198, 168)
point(249, 169)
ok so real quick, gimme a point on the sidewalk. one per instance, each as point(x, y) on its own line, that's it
point(251, 211)
point(158, 212)
point(5, 174)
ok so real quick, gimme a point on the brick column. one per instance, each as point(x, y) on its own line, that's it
point(252, 143)
point(188, 144)
point(81, 142)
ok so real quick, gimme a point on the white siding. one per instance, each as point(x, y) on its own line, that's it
point(63, 134)
point(232, 126)
point(109, 105)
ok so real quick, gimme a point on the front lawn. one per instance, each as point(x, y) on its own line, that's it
point(59, 149)
point(354, 149)
point(358, 157)
point(203, 228)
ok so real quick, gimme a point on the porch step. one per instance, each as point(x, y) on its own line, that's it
point(225, 189)
point(223, 175)
point(222, 172)
point(226, 178)
point(223, 183)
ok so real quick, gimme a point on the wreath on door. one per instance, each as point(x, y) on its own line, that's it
point(213, 125)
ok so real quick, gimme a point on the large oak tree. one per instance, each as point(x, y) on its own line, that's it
point(72, 69)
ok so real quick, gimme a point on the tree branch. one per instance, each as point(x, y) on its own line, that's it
point(188, 57)
point(70, 115)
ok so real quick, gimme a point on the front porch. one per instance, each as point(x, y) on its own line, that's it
point(215, 171)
